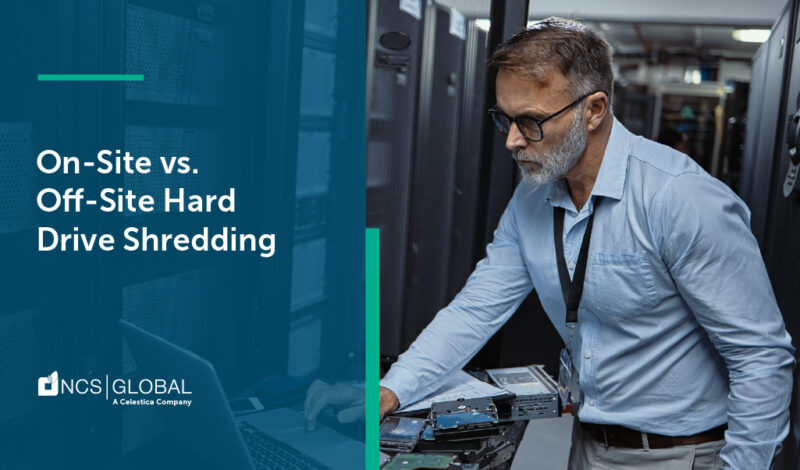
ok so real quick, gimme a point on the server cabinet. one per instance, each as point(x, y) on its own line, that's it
point(783, 225)
point(769, 67)
point(634, 108)
point(770, 138)
point(433, 173)
point(393, 62)
point(771, 142)
point(754, 107)
point(729, 166)
point(29, 324)
point(468, 162)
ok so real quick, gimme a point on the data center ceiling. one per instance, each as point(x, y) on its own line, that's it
point(647, 28)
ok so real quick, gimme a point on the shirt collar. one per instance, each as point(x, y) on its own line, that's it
point(610, 180)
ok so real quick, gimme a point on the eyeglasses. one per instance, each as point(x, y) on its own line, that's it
point(529, 127)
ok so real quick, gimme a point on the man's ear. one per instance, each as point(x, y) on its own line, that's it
point(597, 107)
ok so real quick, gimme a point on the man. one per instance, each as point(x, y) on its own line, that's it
point(677, 333)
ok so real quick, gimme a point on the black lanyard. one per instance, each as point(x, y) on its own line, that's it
point(572, 289)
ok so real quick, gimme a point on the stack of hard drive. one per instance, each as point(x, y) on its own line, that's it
point(399, 434)
point(467, 429)
point(469, 432)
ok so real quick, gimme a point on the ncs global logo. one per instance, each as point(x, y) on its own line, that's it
point(48, 386)
point(171, 392)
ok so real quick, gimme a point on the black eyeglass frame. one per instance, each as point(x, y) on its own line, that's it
point(495, 112)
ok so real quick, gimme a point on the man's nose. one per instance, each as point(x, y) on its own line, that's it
point(515, 140)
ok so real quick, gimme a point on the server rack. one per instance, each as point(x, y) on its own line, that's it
point(433, 172)
point(455, 181)
point(467, 177)
point(634, 108)
point(35, 335)
point(729, 167)
point(301, 125)
point(774, 91)
point(769, 69)
point(426, 109)
point(181, 108)
point(758, 73)
point(329, 28)
point(693, 110)
point(782, 225)
point(393, 71)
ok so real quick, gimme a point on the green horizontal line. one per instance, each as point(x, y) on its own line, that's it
point(84, 77)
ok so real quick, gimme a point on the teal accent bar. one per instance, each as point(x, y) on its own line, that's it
point(372, 336)
point(84, 77)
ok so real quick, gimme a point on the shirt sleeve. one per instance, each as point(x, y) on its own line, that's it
point(704, 236)
point(494, 290)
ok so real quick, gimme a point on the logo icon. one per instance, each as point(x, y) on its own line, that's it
point(48, 386)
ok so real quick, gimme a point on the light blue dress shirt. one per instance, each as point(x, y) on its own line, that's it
point(678, 329)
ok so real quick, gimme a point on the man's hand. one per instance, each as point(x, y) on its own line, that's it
point(321, 394)
point(388, 403)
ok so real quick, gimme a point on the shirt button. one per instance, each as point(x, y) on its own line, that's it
point(591, 402)
point(587, 354)
point(571, 265)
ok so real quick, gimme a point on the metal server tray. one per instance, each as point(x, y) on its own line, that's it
point(536, 392)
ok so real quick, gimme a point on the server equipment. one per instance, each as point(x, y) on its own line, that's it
point(426, 78)
point(769, 177)
point(634, 107)
point(468, 163)
point(433, 172)
point(765, 107)
point(394, 48)
point(464, 418)
point(536, 392)
point(771, 158)
point(400, 434)
point(438, 178)
point(729, 167)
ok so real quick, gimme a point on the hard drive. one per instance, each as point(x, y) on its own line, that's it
point(464, 418)
point(399, 434)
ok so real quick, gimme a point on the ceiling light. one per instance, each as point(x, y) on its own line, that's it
point(483, 23)
point(751, 35)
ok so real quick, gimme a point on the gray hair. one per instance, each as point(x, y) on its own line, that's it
point(580, 53)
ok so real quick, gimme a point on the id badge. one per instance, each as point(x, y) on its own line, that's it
point(565, 376)
point(568, 381)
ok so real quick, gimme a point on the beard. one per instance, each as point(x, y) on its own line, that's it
point(548, 166)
